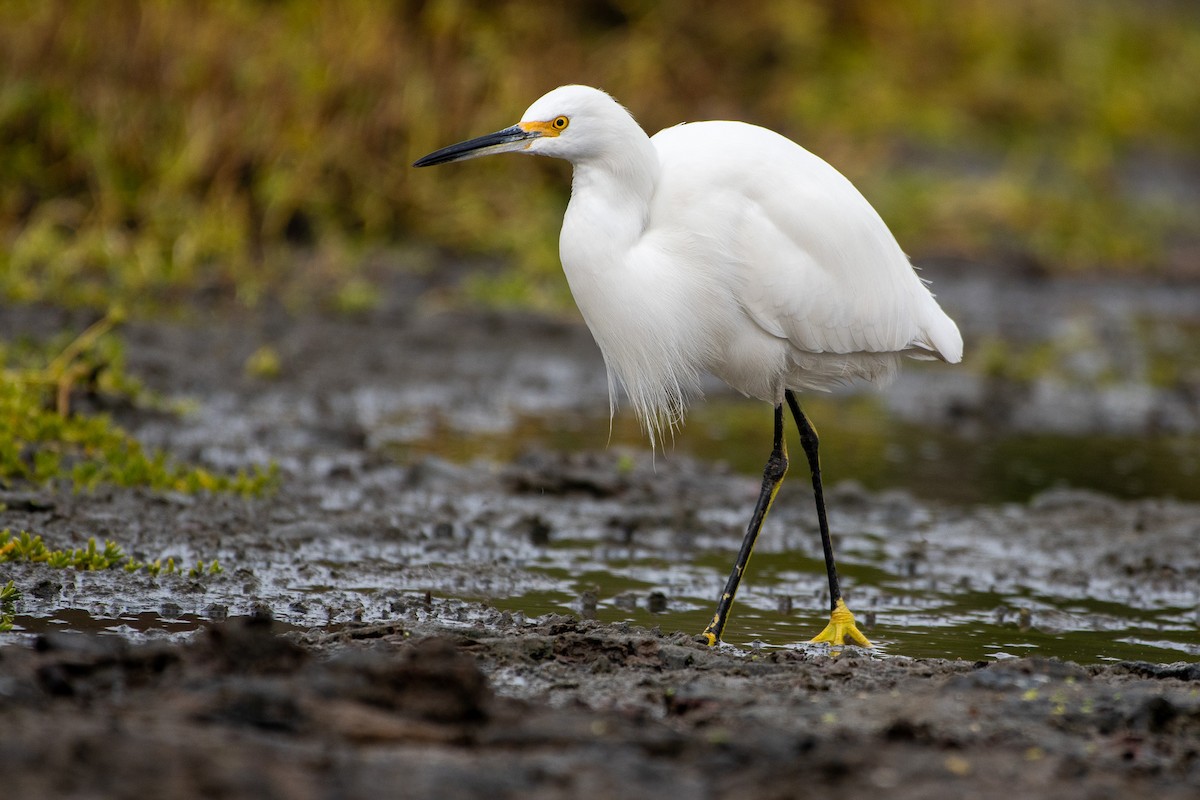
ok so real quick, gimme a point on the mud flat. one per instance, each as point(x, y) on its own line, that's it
point(392, 621)
point(565, 708)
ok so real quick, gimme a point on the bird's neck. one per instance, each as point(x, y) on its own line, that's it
point(610, 204)
point(623, 290)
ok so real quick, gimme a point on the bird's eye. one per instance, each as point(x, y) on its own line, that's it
point(560, 123)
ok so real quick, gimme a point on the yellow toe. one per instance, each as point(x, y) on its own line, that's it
point(841, 624)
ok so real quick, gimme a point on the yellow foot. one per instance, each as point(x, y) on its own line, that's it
point(841, 624)
point(710, 635)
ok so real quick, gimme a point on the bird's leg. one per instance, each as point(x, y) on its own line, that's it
point(773, 474)
point(841, 621)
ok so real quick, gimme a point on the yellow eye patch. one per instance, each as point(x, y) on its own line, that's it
point(551, 128)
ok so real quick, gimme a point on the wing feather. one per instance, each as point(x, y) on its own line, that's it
point(806, 255)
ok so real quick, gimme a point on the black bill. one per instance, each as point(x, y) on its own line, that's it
point(513, 138)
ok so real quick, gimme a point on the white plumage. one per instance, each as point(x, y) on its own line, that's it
point(725, 248)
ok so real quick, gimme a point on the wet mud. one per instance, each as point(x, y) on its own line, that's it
point(396, 620)
point(565, 708)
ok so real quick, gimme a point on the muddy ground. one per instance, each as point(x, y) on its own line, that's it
point(391, 674)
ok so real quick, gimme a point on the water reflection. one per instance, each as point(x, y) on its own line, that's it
point(860, 440)
point(900, 617)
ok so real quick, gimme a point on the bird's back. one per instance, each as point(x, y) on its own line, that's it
point(805, 256)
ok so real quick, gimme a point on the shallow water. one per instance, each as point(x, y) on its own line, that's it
point(861, 440)
point(898, 618)
point(924, 579)
point(1090, 387)
point(920, 586)
point(780, 603)
point(947, 550)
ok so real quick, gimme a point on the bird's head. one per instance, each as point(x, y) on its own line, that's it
point(570, 122)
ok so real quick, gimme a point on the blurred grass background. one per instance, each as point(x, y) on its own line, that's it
point(154, 153)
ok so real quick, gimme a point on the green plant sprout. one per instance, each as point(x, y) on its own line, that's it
point(70, 365)
point(9, 594)
point(24, 547)
point(201, 570)
point(44, 440)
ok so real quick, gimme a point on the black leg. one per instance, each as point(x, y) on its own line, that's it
point(773, 474)
point(808, 440)
point(841, 621)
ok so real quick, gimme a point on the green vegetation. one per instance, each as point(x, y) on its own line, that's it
point(26, 548)
point(8, 596)
point(152, 153)
point(149, 151)
point(43, 440)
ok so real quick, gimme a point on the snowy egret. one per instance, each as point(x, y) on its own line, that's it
point(725, 248)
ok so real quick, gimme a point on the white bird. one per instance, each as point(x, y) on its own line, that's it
point(725, 248)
